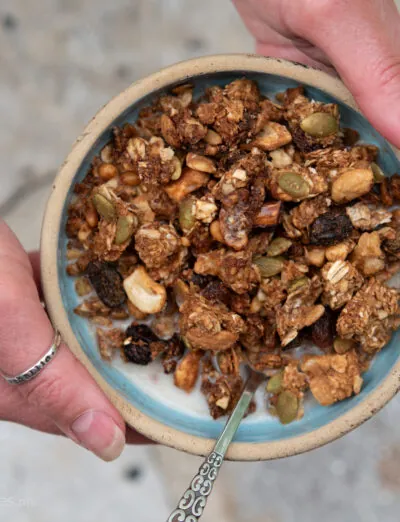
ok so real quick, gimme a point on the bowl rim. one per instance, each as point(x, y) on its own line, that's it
point(153, 429)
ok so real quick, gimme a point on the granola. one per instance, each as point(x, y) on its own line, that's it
point(231, 230)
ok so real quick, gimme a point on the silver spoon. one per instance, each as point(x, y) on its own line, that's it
point(194, 500)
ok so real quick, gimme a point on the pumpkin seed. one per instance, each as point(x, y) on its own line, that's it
point(187, 218)
point(274, 385)
point(297, 284)
point(287, 407)
point(379, 175)
point(320, 125)
point(125, 226)
point(294, 185)
point(278, 246)
point(269, 266)
point(104, 207)
point(177, 169)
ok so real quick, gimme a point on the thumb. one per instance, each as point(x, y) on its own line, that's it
point(362, 39)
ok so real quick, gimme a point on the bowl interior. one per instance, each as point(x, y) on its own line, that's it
point(147, 388)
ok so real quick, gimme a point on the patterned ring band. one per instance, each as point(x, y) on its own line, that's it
point(38, 367)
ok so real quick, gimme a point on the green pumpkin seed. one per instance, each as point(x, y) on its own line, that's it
point(104, 207)
point(269, 266)
point(125, 227)
point(278, 246)
point(187, 218)
point(274, 385)
point(297, 284)
point(294, 185)
point(379, 175)
point(320, 125)
point(287, 407)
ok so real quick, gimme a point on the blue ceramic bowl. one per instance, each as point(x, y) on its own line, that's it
point(147, 399)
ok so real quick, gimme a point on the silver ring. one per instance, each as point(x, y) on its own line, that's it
point(32, 372)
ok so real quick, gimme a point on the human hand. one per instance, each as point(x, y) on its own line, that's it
point(63, 398)
point(360, 39)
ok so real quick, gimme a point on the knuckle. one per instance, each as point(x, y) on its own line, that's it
point(45, 392)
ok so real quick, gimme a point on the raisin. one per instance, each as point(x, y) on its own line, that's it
point(323, 331)
point(330, 228)
point(216, 291)
point(302, 141)
point(107, 282)
point(137, 345)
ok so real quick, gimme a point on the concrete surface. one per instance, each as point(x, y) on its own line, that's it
point(60, 60)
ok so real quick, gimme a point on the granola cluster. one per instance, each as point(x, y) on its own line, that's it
point(233, 230)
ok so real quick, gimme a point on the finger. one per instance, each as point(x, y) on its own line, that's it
point(362, 39)
point(34, 258)
point(64, 390)
point(14, 408)
point(291, 52)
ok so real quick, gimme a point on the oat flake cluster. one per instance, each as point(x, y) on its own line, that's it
point(232, 230)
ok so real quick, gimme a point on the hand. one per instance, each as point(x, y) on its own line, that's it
point(360, 39)
point(63, 398)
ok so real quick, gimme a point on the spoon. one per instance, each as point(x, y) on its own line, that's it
point(194, 500)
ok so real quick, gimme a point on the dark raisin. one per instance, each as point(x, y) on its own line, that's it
point(107, 282)
point(302, 141)
point(216, 291)
point(137, 345)
point(324, 330)
point(351, 137)
point(330, 228)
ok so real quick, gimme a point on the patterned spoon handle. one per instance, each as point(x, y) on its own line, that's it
point(194, 500)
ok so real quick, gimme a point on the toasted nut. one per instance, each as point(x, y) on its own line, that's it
point(73, 253)
point(287, 407)
point(215, 231)
point(106, 154)
point(83, 286)
point(177, 169)
point(107, 171)
point(294, 185)
point(147, 295)
point(352, 184)
point(339, 251)
point(269, 266)
point(187, 371)
point(274, 385)
point(92, 219)
point(135, 312)
point(213, 138)
point(320, 125)
point(136, 148)
point(187, 219)
point(278, 246)
point(273, 136)
point(269, 215)
point(130, 178)
point(169, 132)
point(343, 345)
point(280, 158)
point(201, 163)
point(189, 181)
point(379, 175)
point(205, 210)
point(181, 290)
point(125, 228)
point(84, 232)
point(104, 207)
point(223, 402)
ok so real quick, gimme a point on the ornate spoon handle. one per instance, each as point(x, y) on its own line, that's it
point(194, 500)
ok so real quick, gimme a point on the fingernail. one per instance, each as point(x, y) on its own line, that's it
point(99, 433)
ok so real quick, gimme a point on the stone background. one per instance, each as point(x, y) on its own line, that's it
point(60, 60)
